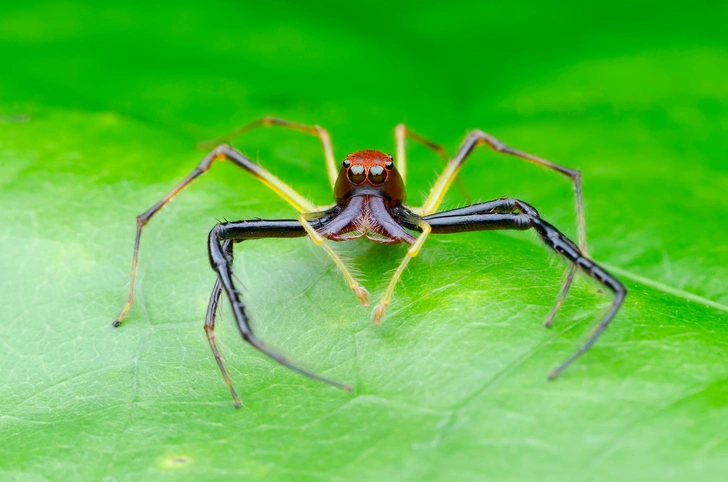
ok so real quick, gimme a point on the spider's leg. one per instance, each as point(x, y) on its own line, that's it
point(210, 327)
point(416, 222)
point(266, 121)
point(503, 205)
point(401, 132)
point(378, 311)
point(479, 138)
point(551, 236)
point(221, 264)
point(549, 321)
point(358, 289)
point(220, 153)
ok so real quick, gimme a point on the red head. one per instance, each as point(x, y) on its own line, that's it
point(369, 172)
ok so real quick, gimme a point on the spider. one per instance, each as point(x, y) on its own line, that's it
point(369, 190)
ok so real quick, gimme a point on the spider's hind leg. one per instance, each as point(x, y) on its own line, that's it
point(401, 133)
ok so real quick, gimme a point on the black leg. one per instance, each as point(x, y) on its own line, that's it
point(220, 153)
point(444, 223)
point(509, 205)
point(479, 138)
point(502, 205)
point(221, 261)
point(210, 328)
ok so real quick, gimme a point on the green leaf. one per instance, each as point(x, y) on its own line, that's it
point(101, 110)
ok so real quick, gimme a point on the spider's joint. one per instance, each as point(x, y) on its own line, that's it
point(413, 251)
point(315, 237)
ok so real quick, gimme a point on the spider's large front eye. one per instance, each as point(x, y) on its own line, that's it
point(357, 174)
point(377, 175)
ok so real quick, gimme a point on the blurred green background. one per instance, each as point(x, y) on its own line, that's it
point(100, 111)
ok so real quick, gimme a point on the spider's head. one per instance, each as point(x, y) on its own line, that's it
point(369, 172)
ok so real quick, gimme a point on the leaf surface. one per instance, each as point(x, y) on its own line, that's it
point(101, 110)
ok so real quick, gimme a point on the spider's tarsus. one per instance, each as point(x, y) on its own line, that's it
point(378, 313)
point(553, 375)
point(116, 323)
point(362, 294)
point(236, 398)
point(314, 376)
point(343, 386)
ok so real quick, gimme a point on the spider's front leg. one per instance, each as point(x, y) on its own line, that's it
point(227, 247)
point(220, 252)
point(517, 215)
point(450, 174)
point(224, 152)
point(220, 153)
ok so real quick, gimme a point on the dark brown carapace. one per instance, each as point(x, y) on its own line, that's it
point(369, 172)
point(369, 190)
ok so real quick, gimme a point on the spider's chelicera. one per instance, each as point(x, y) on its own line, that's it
point(369, 189)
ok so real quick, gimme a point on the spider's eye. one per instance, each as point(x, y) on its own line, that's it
point(389, 165)
point(346, 163)
point(357, 174)
point(377, 175)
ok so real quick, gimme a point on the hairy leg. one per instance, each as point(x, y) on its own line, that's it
point(401, 133)
point(267, 121)
point(449, 175)
point(221, 260)
point(527, 218)
point(220, 153)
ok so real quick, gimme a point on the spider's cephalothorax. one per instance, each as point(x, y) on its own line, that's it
point(369, 172)
point(369, 189)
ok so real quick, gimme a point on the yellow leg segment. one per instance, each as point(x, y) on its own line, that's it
point(358, 289)
point(433, 201)
point(401, 132)
point(411, 253)
point(266, 121)
point(440, 188)
point(220, 153)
